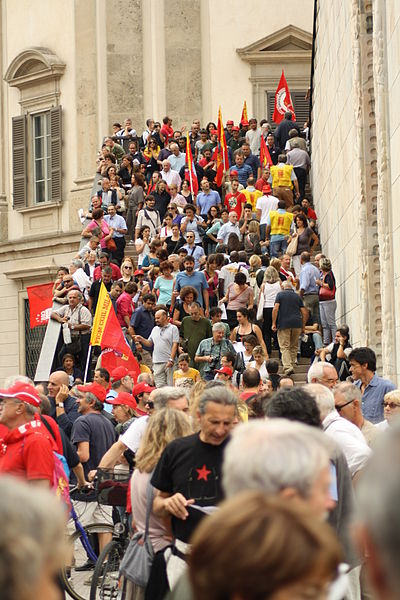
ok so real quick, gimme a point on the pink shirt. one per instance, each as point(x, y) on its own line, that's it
point(104, 228)
point(124, 307)
point(157, 530)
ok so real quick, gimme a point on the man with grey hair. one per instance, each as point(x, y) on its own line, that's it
point(77, 319)
point(27, 448)
point(80, 277)
point(92, 434)
point(165, 397)
point(323, 373)
point(209, 353)
point(378, 493)
point(187, 477)
point(280, 457)
point(300, 159)
point(289, 317)
point(348, 405)
point(348, 436)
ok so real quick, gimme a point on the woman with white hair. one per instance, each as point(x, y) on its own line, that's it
point(33, 545)
point(327, 302)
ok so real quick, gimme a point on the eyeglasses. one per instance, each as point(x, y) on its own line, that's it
point(391, 405)
point(339, 408)
point(127, 267)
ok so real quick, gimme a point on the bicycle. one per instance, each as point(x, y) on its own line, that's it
point(111, 487)
point(73, 580)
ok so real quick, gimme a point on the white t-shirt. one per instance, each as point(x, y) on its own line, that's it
point(266, 204)
point(270, 292)
point(262, 370)
point(228, 272)
point(133, 435)
point(163, 338)
point(349, 438)
point(145, 251)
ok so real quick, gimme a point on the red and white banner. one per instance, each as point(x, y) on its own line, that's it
point(283, 101)
point(40, 303)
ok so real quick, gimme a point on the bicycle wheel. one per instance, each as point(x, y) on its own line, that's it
point(76, 583)
point(105, 580)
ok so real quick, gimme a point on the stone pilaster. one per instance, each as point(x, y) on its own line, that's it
point(183, 60)
point(124, 40)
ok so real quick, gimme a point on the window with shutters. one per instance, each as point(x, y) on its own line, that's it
point(37, 132)
point(37, 158)
point(300, 104)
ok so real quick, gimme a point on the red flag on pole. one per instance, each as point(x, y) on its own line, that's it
point(40, 303)
point(283, 101)
point(110, 360)
point(265, 157)
point(222, 141)
point(244, 116)
point(106, 330)
point(190, 172)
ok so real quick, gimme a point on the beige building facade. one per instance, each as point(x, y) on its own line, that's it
point(356, 165)
point(70, 69)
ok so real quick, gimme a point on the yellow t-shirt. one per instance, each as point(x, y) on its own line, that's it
point(281, 175)
point(252, 197)
point(187, 379)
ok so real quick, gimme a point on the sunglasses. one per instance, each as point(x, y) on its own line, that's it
point(391, 405)
point(126, 267)
point(339, 408)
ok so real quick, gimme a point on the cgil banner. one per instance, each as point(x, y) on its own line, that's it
point(40, 303)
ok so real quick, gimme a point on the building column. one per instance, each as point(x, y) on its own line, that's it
point(154, 101)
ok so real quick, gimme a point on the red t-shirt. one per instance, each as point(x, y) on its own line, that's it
point(27, 452)
point(260, 184)
point(167, 132)
point(311, 214)
point(235, 202)
point(116, 272)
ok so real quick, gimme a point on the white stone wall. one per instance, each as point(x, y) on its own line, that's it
point(335, 178)
point(393, 95)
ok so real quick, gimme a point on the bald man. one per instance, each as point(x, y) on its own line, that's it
point(64, 408)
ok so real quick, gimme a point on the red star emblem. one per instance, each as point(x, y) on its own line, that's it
point(203, 473)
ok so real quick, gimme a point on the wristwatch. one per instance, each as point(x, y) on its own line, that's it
point(72, 327)
point(60, 405)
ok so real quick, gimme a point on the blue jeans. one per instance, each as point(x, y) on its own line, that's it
point(276, 247)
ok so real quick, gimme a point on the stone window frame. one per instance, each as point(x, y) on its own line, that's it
point(36, 72)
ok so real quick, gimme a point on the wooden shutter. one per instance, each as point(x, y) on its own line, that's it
point(301, 107)
point(55, 143)
point(19, 150)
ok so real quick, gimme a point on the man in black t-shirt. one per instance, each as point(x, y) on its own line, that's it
point(92, 434)
point(189, 470)
point(106, 278)
point(289, 317)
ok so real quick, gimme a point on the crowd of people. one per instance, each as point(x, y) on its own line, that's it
point(222, 294)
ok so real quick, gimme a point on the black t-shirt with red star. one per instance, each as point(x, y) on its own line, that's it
point(193, 468)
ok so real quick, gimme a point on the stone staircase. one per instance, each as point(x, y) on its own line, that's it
point(300, 370)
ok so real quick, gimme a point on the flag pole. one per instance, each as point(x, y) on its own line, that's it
point(189, 164)
point(87, 363)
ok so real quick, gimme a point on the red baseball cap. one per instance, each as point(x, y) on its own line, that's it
point(229, 122)
point(225, 371)
point(245, 122)
point(235, 128)
point(94, 388)
point(266, 189)
point(125, 399)
point(141, 388)
point(138, 272)
point(22, 391)
point(119, 373)
point(234, 172)
point(214, 131)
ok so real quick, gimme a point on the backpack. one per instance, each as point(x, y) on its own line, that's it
point(61, 471)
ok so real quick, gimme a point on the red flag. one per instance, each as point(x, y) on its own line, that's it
point(40, 303)
point(107, 332)
point(244, 116)
point(283, 101)
point(222, 141)
point(265, 157)
point(110, 360)
point(190, 172)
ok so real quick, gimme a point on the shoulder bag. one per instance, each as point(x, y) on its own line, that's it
point(260, 306)
point(292, 246)
point(75, 346)
point(138, 558)
point(326, 293)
